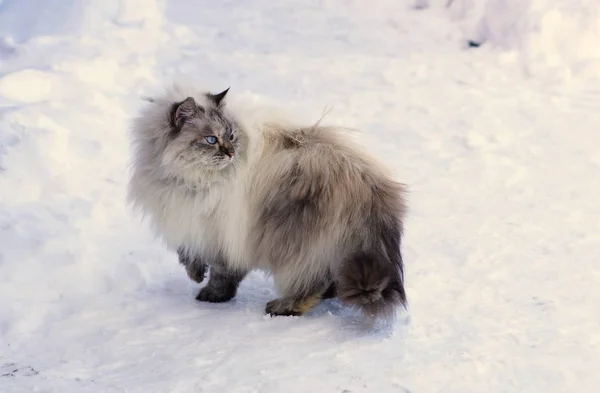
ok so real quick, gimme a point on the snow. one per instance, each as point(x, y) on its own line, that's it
point(498, 145)
point(554, 38)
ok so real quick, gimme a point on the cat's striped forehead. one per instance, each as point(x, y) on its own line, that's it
point(212, 121)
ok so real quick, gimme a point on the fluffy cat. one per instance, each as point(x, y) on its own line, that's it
point(302, 203)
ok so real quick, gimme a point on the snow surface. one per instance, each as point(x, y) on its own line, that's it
point(502, 244)
point(558, 39)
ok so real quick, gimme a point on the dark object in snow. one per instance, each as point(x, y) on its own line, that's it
point(474, 44)
point(12, 370)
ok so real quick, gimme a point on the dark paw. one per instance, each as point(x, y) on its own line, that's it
point(196, 271)
point(208, 294)
point(281, 307)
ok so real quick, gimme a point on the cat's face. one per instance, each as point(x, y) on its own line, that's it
point(201, 137)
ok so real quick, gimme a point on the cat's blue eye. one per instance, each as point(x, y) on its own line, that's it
point(211, 139)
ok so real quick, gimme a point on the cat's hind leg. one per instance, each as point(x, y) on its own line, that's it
point(298, 303)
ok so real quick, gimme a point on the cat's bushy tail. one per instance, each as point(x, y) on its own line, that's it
point(373, 281)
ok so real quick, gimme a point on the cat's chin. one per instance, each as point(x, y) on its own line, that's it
point(201, 173)
point(221, 165)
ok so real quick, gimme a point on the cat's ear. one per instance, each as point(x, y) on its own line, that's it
point(218, 98)
point(186, 110)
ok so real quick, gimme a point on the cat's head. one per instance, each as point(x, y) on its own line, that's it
point(202, 136)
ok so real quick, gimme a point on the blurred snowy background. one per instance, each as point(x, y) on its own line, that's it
point(498, 141)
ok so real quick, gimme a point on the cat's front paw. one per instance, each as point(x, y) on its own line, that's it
point(196, 271)
point(211, 295)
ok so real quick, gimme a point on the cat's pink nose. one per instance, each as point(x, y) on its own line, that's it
point(229, 151)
